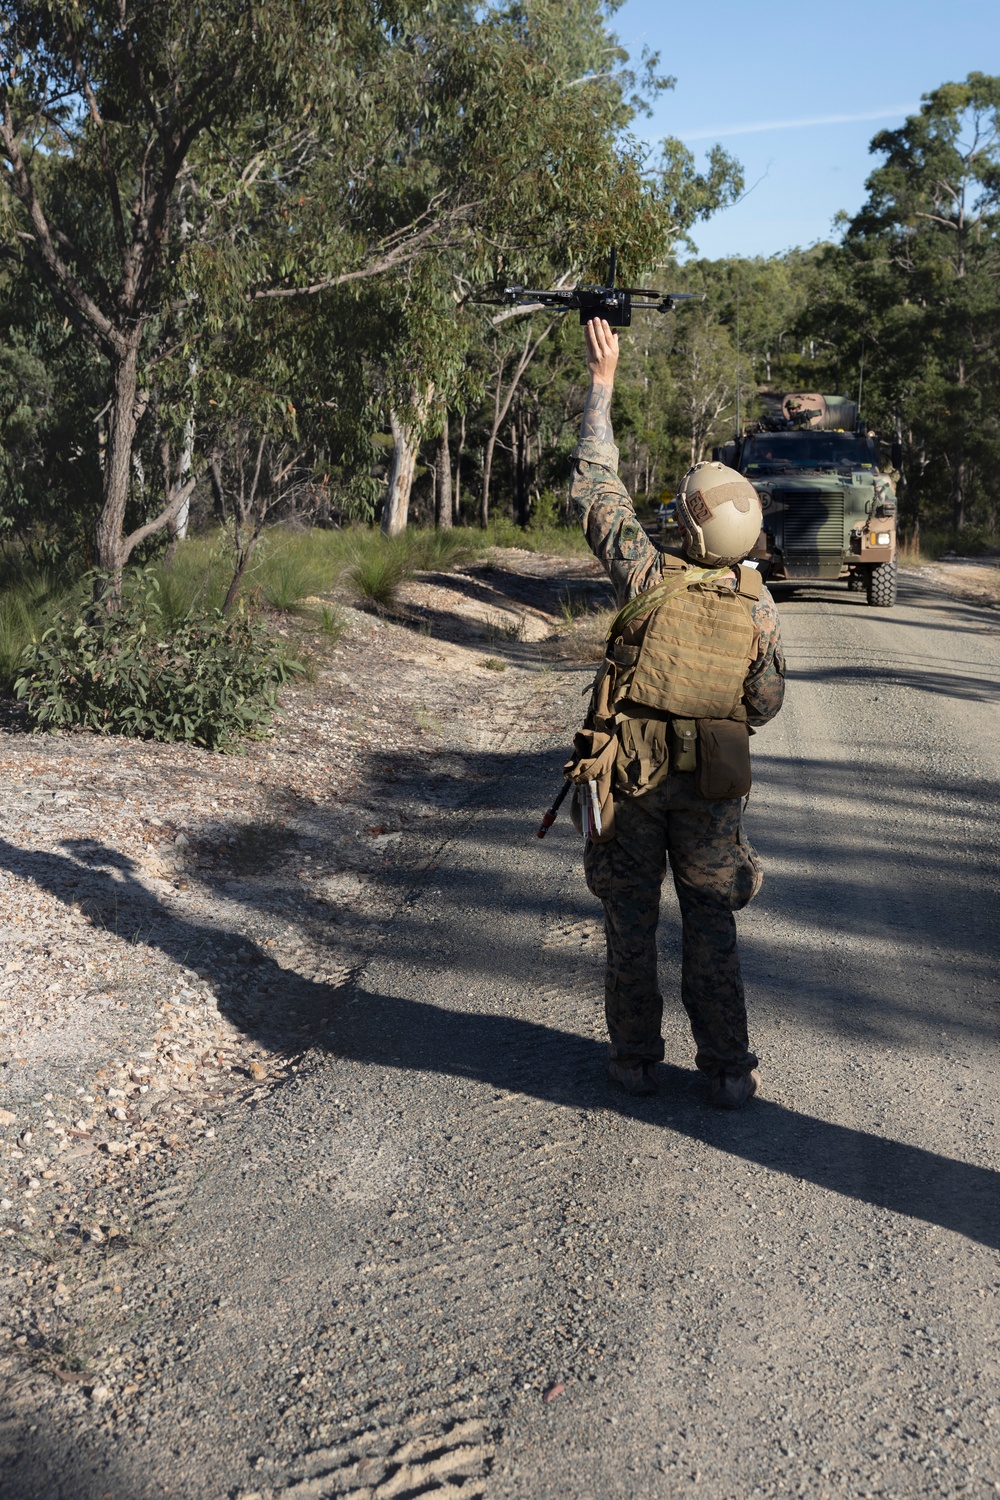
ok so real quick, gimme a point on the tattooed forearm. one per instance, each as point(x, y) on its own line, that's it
point(597, 414)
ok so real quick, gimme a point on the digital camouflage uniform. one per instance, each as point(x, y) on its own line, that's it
point(715, 869)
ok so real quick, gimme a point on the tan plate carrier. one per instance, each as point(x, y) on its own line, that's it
point(672, 680)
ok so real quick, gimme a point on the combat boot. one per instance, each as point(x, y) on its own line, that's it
point(733, 1090)
point(638, 1078)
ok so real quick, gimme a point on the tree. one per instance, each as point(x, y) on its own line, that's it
point(914, 294)
point(118, 100)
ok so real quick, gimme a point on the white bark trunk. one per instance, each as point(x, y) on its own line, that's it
point(396, 509)
point(405, 447)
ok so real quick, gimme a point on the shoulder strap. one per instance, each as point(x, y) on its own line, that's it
point(748, 581)
point(644, 603)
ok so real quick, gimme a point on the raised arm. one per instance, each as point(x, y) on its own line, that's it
point(599, 498)
point(602, 361)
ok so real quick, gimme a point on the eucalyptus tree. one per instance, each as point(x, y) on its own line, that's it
point(915, 295)
point(166, 171)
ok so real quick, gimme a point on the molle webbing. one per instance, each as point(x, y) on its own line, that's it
point(698, 645)
point(643, 603)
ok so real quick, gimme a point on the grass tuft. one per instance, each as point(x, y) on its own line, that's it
point(26, 611)
point(497, 628)
point(378, 573)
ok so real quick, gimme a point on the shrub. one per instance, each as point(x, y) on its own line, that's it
point(286, 577)
point(378, 573)
point(26, 608)
point(208, 680)
point(548, 510)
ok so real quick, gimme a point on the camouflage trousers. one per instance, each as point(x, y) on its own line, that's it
point(716, 872)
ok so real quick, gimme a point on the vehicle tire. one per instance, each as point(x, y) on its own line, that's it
point(882, 585)
point(857, 582)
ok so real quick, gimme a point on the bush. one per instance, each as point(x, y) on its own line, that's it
point(547, 511)
point(208, 680)
point(378, 573)
point(27, 606)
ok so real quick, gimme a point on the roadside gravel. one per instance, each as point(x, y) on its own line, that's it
point(438, 1256)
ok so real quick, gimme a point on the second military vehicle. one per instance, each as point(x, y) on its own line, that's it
point(828, 511)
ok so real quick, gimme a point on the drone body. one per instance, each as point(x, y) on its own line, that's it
point(613, 303)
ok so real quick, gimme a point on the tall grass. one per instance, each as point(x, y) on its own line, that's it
point(288, 567)
point(378, 573)
point(563, 541)
point(29, 602)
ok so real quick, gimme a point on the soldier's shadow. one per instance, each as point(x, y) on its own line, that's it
point(511, 1053)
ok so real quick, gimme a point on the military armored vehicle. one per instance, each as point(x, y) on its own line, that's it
point(828, 511)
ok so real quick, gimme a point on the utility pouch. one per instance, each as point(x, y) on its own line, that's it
point(683, 744)
point(723, 759)
point(593, 761)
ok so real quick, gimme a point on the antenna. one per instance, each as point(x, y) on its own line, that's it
point(861, 380)
point(614, 265)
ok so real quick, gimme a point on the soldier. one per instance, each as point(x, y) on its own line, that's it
point(694, 656)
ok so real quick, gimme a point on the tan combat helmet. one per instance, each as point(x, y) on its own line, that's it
point(719, 514)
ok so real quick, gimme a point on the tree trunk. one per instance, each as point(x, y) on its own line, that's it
point(405, 450)
point(396, 510)
point(218, 490)
point(484, 499)
point(501, 406)
point(958, 477)
point(444, 498)
point(457, 513)
point(179, 525)
point(122, 422)
point(522, 497)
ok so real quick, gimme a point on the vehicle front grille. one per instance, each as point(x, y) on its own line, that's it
point(811, 520)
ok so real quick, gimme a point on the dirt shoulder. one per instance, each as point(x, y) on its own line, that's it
point(974, 578)
point(161, 904)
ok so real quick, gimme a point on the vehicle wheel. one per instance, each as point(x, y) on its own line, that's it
point(882, 585)
point(856, 581)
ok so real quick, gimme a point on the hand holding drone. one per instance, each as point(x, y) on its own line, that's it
point(614, 303)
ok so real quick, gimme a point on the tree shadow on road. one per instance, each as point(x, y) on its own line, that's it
point(511, 1053)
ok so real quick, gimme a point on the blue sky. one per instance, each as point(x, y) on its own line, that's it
point(796, 93)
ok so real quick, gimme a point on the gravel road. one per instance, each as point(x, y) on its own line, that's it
point(444, 1259)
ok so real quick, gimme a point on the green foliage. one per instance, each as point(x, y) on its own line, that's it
point(208, 680)
point(547, 511)
point(332, 623)
point(378, 573)
point(285, 578)
point(28, 599)
point(911, 297)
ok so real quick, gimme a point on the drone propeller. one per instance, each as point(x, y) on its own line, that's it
point(614, 303)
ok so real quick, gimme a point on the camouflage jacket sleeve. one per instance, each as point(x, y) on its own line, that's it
point(764, 687)
point(609, 522)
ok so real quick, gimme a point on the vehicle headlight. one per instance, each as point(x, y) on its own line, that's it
point(883, 538)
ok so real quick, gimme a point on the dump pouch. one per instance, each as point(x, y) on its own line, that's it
point(593, 761)
point(723, 759)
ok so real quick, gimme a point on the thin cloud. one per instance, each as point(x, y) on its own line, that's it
point(762, 125)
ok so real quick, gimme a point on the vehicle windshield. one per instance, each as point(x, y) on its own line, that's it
point(774, 451)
